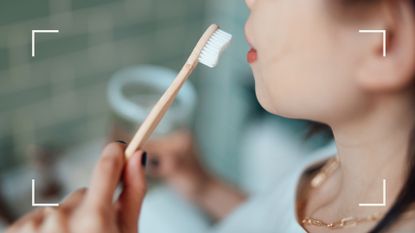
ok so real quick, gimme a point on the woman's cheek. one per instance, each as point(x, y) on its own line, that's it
point(277, 91)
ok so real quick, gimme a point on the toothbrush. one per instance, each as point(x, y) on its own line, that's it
point(207, 51)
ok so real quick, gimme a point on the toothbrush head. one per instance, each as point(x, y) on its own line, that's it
point(214, 47)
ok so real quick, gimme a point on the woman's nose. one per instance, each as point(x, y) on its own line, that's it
point(250, 3)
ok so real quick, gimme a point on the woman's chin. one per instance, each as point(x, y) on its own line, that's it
point(263, 94)
point(265, 101)
point(270, 106)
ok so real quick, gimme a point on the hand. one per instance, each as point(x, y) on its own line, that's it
point(174, 159)
point(93, 210)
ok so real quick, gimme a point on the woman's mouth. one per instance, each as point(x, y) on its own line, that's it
point(252, 56)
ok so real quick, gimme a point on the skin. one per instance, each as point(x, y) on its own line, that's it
point(339, 77)
point(315, 67)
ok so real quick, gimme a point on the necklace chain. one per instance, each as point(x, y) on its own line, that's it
point(342, 223)
point(327, 170)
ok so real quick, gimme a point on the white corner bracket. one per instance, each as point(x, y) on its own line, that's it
point(384, 33)
point(34, 38)
point(34, 204)
point(383, 204)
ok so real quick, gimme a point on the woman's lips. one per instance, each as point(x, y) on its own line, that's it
point(252, 56)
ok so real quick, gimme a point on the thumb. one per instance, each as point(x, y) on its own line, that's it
point(132, 195)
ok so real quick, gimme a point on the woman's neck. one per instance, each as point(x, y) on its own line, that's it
point(371, 149)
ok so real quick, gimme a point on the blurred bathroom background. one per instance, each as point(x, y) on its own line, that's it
point(55, 115)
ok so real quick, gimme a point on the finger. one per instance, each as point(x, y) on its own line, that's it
point(131, 198)
point(73, 200)
point(32, 220)
point(55, 221)
point(106, 176)
point(28, 226)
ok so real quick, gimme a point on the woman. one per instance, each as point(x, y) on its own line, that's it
point(310, 62)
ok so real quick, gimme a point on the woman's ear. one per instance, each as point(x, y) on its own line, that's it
point(394, 70)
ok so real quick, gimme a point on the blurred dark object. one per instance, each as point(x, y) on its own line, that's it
point(318, 128)
point(44, 160)
point(6, 213)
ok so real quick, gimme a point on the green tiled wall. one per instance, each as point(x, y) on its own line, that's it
point(4, 62)
point(14, 11)
point(59, 97)
point(79, 4)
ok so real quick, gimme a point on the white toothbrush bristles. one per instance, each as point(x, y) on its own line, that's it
point(211, 52)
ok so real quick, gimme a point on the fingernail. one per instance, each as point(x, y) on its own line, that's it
point(144, 159)
point(121, 142)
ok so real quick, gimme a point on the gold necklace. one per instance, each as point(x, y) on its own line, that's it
point(331, 166)
point(327, 170)
point(342, 223)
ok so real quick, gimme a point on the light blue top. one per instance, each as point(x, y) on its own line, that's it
point(273, 212)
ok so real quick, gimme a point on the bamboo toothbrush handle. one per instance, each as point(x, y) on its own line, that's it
point(158, 111)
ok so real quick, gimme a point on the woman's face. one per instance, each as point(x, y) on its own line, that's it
point(304, 59)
